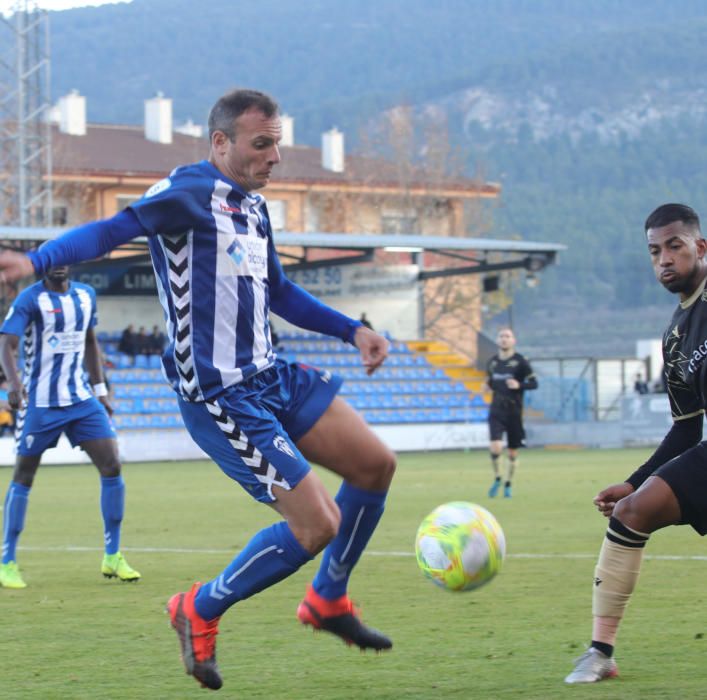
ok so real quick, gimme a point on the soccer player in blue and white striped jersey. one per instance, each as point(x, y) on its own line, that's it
point(56, 319)
point(259, 418)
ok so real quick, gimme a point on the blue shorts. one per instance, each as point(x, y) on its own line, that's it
point(251, 429)
point(38, 429)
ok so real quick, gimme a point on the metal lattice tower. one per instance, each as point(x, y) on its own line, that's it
point(25, 130)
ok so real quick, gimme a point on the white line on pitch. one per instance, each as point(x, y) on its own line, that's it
point(188, 550)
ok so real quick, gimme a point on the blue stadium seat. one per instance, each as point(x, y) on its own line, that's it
point(141, 361)
point(122, 360)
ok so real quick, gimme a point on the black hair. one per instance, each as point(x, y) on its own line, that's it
point(669, 213)
point(230, 106)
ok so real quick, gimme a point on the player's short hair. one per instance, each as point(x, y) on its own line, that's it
point(669, 213)
point(230, 106)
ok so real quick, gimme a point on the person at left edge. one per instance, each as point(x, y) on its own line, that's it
point(56, 318)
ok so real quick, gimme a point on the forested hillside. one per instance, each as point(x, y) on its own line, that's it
point(589, 114)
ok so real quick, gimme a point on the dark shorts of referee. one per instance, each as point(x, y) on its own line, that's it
point(509, 423)
point(687, 477)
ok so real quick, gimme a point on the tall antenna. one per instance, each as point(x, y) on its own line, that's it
point(25, 129)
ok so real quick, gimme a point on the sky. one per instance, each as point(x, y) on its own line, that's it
point(7, 5)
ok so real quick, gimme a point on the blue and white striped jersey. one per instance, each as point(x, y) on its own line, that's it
point(53, 326)
point(218, 277)
point(212, 252)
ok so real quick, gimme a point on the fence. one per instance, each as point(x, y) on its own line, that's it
point(581, 389)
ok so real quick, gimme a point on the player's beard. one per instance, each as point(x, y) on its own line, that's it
point(686, 285)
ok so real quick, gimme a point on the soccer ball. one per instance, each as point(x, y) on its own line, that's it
point(460, 546)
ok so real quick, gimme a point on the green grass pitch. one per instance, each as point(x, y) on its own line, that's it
point(72, 634)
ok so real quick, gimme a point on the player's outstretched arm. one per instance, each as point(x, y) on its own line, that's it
point(81, 243)
point(373, 348)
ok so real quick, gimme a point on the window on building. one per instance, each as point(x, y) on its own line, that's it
point(392, 223)
point(60, 216)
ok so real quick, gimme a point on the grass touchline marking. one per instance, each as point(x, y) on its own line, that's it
point(188, 550)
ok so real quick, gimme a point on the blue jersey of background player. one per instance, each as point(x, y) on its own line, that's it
point(260, 419)
point(55, 318)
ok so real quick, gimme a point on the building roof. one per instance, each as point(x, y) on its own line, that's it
point(108, 150)
point(506, 255)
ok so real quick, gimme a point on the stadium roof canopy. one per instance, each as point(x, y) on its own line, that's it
point(471, 255)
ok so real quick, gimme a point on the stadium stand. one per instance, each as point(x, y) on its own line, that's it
point(421, 382)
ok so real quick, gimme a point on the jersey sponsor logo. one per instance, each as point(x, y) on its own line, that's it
point(235, 210)
point(69, 341)
point(281, 444)
point(158, 187)
point(250, 254)
point(698, 354)
point(235, 250)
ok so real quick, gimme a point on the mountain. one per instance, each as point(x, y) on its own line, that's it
point(589, 114)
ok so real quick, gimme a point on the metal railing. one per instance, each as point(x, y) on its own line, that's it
point(581, 389)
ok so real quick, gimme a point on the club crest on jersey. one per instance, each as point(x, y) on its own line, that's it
point(281, 444)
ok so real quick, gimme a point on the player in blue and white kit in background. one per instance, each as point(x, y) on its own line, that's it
point(259, 418)
point(56, 319)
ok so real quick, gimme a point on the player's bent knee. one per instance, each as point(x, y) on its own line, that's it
point(626, 512)
point(109, 469)
point(638, 513)
point(389, 464)
point(377, 473)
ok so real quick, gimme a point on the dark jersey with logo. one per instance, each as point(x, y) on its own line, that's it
point(685, 356)
point(506, 400)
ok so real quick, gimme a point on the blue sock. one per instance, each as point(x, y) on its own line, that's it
point(13, 520)
point(112, 507)
point(360, 512)
point(272, 555)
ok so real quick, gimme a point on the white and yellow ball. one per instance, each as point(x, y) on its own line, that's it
point(460, 546)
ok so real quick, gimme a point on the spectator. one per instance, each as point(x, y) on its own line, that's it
point(142, 342)
point(364, 321)
point(127, 342)
point(640, 386)
point(156, 341)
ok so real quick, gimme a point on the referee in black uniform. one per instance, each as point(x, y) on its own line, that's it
point(509, 375)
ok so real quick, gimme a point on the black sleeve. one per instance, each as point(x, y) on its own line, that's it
point(683, 435)
point(530, 381)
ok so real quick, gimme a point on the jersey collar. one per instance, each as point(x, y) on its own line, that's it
point(694, 296)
